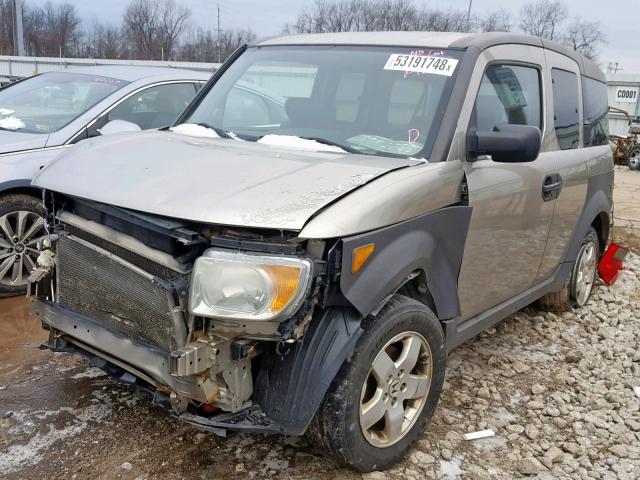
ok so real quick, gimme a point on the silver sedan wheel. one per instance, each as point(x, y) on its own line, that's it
point(585, 273)
point(19, 235)
point(396, 389)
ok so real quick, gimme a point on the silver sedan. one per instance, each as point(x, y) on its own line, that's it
point(42, 115)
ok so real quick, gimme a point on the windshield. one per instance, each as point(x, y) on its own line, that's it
point(48, 102)
point(371, 100)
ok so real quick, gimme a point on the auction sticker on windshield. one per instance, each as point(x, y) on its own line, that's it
point(421, 64)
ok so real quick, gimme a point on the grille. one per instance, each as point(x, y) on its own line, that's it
point(95, 284)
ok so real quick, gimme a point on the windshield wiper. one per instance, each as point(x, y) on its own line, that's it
point(219, 131)
point(331, 143)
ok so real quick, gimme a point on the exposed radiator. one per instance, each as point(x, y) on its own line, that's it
point(116, 293)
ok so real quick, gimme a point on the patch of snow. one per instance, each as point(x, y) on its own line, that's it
point(92, 372)
point(6, 111)
point(194, 130)
point(291, 141)
point(451, 469)
point(503, 414)
point(12, 123)
point(18, 456)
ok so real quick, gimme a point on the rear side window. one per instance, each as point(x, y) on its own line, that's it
point(508, 94)
point(566, 108)
point(596, 106)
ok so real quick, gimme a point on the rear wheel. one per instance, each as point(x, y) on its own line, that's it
point(21, 226)
point(579, 286)
point(381, 400)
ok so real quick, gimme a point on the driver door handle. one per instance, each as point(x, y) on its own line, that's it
point(551, 187)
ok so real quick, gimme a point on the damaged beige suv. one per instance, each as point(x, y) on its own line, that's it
point(298, 254)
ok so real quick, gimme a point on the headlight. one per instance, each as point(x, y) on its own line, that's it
point(245, 286)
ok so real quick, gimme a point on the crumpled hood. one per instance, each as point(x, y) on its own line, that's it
point(217, 181)
point(18, 141)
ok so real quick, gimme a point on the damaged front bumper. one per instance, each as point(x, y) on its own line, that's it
point(72, 332)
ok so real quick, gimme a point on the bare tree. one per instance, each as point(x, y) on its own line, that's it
point(6, 27)
point(497, 21)
point(374, 15)
point(543, 18)
point(202, 45)
point(173, 21)
point(585, 37)
point(51, 30)
point(153, 26)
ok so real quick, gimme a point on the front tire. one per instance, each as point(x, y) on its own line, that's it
point(21, 226)
point(384, 395)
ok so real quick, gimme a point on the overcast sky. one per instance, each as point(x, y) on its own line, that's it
point(620, 18)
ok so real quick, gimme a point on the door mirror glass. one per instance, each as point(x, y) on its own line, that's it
point(506, 143)
point(119, 126)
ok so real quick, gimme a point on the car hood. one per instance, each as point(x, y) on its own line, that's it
point(211, 180)
point(18, 141)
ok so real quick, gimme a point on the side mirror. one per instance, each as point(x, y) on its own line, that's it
point(506, 143)
point(119, 126)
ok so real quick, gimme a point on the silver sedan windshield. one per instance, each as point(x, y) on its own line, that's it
point(48, 102)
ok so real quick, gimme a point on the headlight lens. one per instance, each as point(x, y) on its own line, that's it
point(244, 286)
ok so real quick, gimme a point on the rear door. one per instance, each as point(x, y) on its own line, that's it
point(511, 219)
point(566, 137)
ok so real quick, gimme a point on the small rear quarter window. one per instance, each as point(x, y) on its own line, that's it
point(566, 108)
point(596, 107)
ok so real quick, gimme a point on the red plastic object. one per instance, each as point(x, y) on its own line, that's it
point(612, 263)
point(209, 409)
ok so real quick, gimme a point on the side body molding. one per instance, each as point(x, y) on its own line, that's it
point(433, 243)
point(291, 384)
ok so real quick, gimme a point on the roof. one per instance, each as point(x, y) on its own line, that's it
point(131, 73)
point(478, 41)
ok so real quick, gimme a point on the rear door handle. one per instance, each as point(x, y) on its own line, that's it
point(551, 187)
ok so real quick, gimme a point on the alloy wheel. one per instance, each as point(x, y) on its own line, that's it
point(20, 232)
point(585, 273)
point(396, 389)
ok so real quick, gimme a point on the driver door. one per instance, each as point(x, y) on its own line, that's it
point(510, 222)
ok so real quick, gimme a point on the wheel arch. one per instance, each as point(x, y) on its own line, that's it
point(431, 245)
point(20, 186)
point(602, 225)
point(595, 214)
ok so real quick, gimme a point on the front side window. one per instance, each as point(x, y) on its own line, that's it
point(509, 94)
point(369, 100)
point(48, 102)
point(596, 108)
point(155, 107)
point(566, 108)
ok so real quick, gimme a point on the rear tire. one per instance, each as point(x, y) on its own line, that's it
point(385, 394)
point(21, 226)
point(579, 286)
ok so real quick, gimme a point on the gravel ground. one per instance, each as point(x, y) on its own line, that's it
point(558, 390)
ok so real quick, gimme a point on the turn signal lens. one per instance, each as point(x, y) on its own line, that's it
point(285, 280)
point(360, 256)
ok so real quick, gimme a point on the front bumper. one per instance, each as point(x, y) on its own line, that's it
point(142, 360)
point(142, 365)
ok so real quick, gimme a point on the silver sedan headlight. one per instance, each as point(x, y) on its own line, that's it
point(247, 286)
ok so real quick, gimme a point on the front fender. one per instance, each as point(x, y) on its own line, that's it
point(432, 243)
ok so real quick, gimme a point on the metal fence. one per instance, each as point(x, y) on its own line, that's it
point(12, 68)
